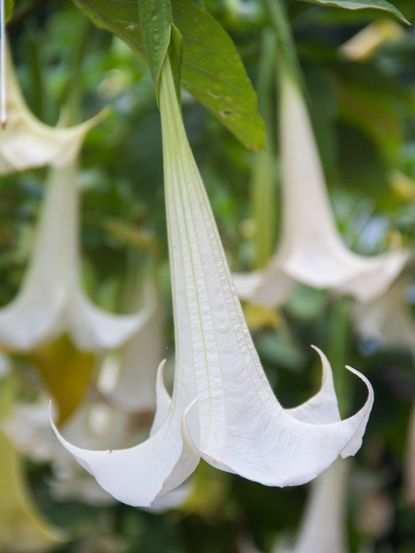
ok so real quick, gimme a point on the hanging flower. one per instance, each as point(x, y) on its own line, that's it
point(310, 249)
point(128, 375)
point(51, 299)
point(223, 408)
point(323, 526)
point(26, 142)
point(387, 320)
point(96, 423)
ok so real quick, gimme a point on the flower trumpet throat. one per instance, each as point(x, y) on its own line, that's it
point(222, 408)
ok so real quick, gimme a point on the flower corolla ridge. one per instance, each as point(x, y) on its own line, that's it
point(222, 407)
point(51, 300)
point(26, 142)
point(310, 249)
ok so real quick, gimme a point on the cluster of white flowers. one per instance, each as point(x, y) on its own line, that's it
point(222, 408)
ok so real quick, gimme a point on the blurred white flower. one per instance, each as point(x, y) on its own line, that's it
point(223, 408)
point(51, 299)
point(310, 249)
point(26, 142)
point(127, 376)
point(387, 320)
point(323, 526)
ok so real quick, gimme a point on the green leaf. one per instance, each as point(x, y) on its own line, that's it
point(9, 6)
point(212, 70)
point(382, 5)
point(156, 20)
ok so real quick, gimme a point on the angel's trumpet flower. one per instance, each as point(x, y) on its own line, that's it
point(222, 407)
point(128, 376)
point(51, 299)
point(310, 249)
point(389, 323)
point(323, 526)
point(388, 320)
point(26, 142)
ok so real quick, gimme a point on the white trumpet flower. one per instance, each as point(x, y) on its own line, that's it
point(389, 323)
point(222, 408)
point(323, 526)
point(128, 376)
point(310, 249)
point(387, 320)
point(51, 299)
point(26, 142)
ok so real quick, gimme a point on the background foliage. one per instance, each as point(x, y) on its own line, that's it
point(364, 117)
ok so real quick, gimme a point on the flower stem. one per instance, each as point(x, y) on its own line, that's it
point(337, 350)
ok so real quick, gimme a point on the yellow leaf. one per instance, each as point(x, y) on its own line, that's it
point(209, 494)
point(259, 317)
point(22, 530)
point(66, 372)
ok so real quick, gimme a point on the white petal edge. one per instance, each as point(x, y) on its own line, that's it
point(94, 329)
point(139, 475)
point(276, 444)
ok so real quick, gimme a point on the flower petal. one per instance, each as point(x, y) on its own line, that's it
point(268, 287)
point(139, 475)
point(323, 406)
point(311, 250)
point(388, 319)
point(134, 387)
point(163, 400)
point(93, 329)
point(35, 314)
point(323, 527)
point(26, 142)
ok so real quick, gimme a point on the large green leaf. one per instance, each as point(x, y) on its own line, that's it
point(212, 70)
point(156, 20)
point(382, 5)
